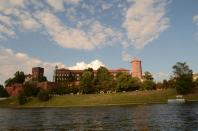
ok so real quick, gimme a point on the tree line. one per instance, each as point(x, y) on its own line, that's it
point(102, 82)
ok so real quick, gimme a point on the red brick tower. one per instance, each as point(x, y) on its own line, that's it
point(136, 68)
point(37, 72)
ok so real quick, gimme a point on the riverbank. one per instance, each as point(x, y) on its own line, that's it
point(128, 98)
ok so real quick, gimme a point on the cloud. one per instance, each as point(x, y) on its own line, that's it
point(145, 20)
point(14, 61)
point(57, 5)
point(95, 64)
point(159, 76)
point(72, 1)
point(42, 17)
point(11, 62)
point(126, 56)
point(67, 37)
point(195, 19)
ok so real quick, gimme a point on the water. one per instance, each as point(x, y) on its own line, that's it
point(139, 117)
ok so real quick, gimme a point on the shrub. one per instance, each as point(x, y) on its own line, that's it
point(31, 89)
point(22, 98)
point(43, 95)
point(3, 92)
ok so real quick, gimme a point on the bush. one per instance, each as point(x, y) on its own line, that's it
point(31, 89)
point(43, 95)
point(3, 92)
point(148, 85)
point(22, 98)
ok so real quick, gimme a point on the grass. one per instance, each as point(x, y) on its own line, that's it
point(136, 97)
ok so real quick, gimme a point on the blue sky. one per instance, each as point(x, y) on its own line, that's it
point(76, 34)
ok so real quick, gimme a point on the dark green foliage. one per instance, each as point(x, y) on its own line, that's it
point(19, 77)
point(9, 81)
point(103, 74)
point(87, 82)
point(196, 83)
point(126, 83)
point(168, 83)
point(135, 84)
point(183, 78)
point(104, 80)
point(22, 98)
point(64, 88)
point(60, 90)
point(43, 95)
point(74, 89)
point(184, 84)
point(147, 76)
point(148, 85)
point(30, 89)
point(3, 92)
point(123, 82)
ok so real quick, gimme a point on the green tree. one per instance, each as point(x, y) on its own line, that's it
point(30, 89)
point(87, 82)
point(9, 82)
point(135, 84)
point(183, 76)
point(43, 95)
point(196, 83)
point(19, 77)
point(122, 82)
point(148, 76)
point(126, 83)
point(148, 83)
point(104, 80)
point(3, 92)
point(22, 98)
point(103, 74)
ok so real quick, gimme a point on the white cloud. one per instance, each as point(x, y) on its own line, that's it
point(195, 19)
point(11, 62)
point(106, 6)
point(29, 24)
point(5, 31)
point(95, 64)
point(97, 36)
point(63, 35)
point(72, 1)
point(4, 4)
point(18, 16)
point(126, 56)
point(57, 5)
point(145, 20)
point(159, 76)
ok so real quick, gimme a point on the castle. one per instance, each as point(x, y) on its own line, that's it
point(63, 75)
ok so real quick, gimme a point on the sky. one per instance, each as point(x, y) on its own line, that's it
point(78, 34)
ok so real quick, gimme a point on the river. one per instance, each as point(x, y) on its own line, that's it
point(137, 117)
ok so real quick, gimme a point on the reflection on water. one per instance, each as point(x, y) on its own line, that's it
point(140, 117)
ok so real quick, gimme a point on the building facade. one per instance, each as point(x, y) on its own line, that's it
point(14, 89)
point(65, 75)
point(37, 72)
point(136, 68)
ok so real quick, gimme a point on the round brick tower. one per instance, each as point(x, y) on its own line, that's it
point(136, 68)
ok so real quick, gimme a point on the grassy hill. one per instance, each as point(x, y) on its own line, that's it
point(136, 97)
